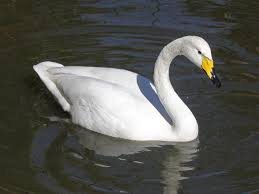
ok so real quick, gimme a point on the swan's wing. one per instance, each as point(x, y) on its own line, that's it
point(107, 108)
point(130, 82)
point(48, 71)
point(133, 82)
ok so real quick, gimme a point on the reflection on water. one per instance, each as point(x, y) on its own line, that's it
point(38, 156)
point(117, 158)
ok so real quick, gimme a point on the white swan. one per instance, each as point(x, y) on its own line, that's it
point(126, 105)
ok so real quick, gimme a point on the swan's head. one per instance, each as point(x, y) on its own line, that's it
point(198, 51)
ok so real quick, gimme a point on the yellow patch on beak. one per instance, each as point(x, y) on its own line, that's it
point(207, 65)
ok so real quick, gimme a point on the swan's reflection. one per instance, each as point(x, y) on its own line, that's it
point(174, 163)
point(135, 164)
point(177, 163)
point(109, 146)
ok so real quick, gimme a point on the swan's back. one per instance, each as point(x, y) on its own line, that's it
point(121, 77)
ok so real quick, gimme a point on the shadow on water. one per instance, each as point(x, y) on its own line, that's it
point(84, 149)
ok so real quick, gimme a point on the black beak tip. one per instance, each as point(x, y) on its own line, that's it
point(216, 81)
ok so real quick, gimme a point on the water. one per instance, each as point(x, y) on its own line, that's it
point(43, 153)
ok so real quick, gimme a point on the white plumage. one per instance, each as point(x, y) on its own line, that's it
point(124, 104)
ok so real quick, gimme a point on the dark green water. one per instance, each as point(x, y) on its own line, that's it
point(40, 155)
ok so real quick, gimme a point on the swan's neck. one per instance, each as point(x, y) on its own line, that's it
point(184, 125)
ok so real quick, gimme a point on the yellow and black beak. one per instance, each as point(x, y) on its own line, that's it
point(208, 67)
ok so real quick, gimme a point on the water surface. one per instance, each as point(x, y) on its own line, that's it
point(42, 153)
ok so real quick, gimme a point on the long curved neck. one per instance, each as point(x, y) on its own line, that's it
point(184, 123)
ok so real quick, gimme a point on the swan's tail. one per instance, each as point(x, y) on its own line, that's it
point(45, 76)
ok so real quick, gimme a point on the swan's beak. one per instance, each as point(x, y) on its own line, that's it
point(208, 67)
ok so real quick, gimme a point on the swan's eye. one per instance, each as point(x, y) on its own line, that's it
point(199, 52)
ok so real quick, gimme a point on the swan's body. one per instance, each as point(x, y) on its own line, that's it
point(124, 104)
